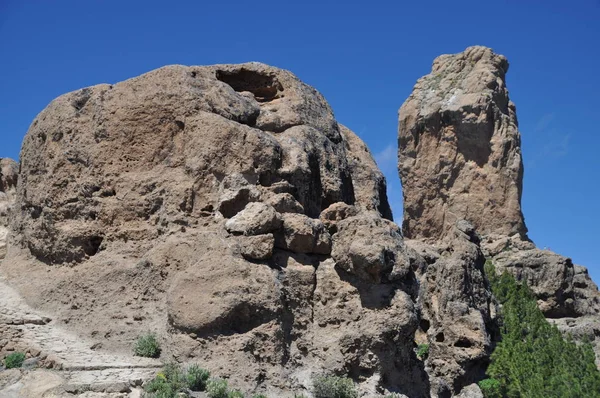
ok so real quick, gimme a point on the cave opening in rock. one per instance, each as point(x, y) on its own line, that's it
point(265, 87)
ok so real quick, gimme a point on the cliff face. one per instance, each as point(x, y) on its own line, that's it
point(460, 159)
point(459, 149)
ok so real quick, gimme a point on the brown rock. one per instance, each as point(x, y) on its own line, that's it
point(371, 248)
point(302, 234)
point(257, 218)
point(460, 149)
point(457, 311)
point(165, 185)
point(259, 247)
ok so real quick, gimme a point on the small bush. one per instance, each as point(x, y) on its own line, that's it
point(490, 388)
point(14, 360)
point(217, 388)
point(423, 351)
point(159, 387)
point(147, 346)
point(259, 396)
point(235, 394)
point(196, 378)
point(334, 387)
point(168, 383)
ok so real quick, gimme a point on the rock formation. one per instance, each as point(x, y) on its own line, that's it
point(460, 159)
point(225, 208)
point(460, 149)
point(9, 171)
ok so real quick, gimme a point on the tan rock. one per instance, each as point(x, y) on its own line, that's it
point(9, 171)
point(460, 149)
point(302, 234)
point(257, 218)
point(258, 247)
point(371, 248)
point(163, 188)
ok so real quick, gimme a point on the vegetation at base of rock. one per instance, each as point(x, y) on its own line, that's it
point(14, 360)
point(334, 387)
point(217, 388)
point(423, 351)
point(173, 380)
point(533, 359)
point(147, 346)
point(197, 378)
point(490, 388)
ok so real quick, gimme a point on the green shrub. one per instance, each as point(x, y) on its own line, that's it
point(217, 388)
point(334, 387)
point(14, 360)
point(159, 387)
point(259, 396)
point(167, 383)
point(235, 394)
point(147, 346)
point(196, 378)
point(490, 388)
point(423, 351)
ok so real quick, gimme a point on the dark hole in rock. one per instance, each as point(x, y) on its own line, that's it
point(180, 124)
point(92, 245)
point(463, 343)
point(265, 87)
point(439, 337)
point(424, 325)
point(36, 212)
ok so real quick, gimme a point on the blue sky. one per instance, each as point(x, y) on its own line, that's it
point(363, 56)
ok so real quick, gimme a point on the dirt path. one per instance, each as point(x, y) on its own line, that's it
point(76, 367)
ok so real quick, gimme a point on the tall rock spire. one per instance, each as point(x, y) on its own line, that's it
point(460, 149)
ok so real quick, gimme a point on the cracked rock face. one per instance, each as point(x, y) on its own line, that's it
point(9, 171)
point(460, 149)
point(205, 203)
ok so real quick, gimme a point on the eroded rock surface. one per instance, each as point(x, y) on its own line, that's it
point(204, 203)
point(457, 310)
point(460, 159)
point(460, 149)
point(9, 170)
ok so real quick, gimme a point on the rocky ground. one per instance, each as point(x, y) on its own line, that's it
point(61, 364)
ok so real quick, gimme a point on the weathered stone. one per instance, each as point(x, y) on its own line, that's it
point(9, 170)
point(371, 248)
point(163, 188)
point(257, 218)
point(258, 247)
point(456, 312)
point(460, 149)
point(336, 212)
point(302, 234)
point(285, 203)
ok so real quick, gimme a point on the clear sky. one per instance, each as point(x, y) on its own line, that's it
point(364, 56)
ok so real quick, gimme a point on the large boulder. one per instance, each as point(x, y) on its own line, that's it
point(9, 171)
point(460, 149)
point(202, 203)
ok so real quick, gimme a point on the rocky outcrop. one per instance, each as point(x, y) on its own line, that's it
point(457, 310)
point(225, 208)
point(9, 171)
point(460, 149)
point(460, 158)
